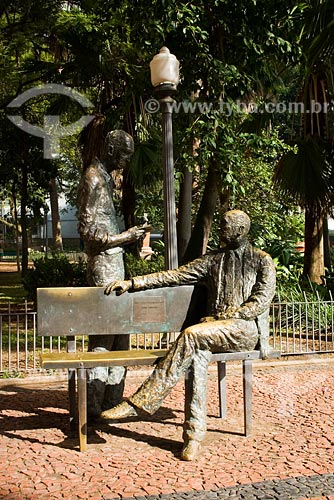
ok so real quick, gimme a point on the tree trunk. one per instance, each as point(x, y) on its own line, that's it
point(24, 224)
point(128, 211)
point(327, 252)
point(200, 235)
point(224, 200)
point(55, 217)
point(314, 245)
point(16, 223)
point(184, 213)
point(128, 200)
point(127, 186)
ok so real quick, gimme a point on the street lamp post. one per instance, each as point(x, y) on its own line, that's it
point(165, 77)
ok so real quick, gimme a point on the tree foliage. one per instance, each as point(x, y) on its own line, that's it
point(230, 52)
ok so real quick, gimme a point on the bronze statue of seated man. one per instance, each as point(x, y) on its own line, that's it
point(240, 281)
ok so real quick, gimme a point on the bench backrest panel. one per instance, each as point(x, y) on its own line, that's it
point(87, 311)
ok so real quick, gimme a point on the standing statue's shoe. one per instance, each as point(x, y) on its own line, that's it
point(123, 410)
point(190, 450)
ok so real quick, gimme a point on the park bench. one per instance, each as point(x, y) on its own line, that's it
point(73, 312)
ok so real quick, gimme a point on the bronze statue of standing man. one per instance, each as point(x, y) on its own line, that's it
point(240, 282)
point(103, 243)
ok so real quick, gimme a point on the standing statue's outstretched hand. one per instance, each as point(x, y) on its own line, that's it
point(118, 286)
point(137, 232)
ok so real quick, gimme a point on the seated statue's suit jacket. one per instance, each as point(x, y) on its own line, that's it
point(248, 284)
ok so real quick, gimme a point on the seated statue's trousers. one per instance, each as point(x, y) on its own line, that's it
point(192, 350)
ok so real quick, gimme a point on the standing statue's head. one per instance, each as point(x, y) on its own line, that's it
point(114, 148)
point(234, 228)
point(119, 148)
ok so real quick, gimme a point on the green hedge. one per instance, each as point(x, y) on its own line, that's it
point(52, 272)
point(137, 267)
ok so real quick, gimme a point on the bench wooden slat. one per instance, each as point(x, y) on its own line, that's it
point(56, 360)
point(236, 356)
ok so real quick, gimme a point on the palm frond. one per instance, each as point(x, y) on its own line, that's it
point(320, 33)
point(305, 175)
point(145, 166)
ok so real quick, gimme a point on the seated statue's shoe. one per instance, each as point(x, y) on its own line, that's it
point(190, 450)
point(123, 410)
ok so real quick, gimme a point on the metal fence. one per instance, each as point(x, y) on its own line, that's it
point(19, 343)
point(305, 327)
point(18, 340)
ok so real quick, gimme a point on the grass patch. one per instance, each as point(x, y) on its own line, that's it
point(11, 374)
point(11, 288)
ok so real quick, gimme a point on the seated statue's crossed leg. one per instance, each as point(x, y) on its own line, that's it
point(164, 377)
point(226, 335)
point(193, 349)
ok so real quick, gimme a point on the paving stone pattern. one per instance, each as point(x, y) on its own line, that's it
point(295, 488)
point(288, 455)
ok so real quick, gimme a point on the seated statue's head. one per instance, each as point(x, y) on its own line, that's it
point(234, 228)
point(119, 148)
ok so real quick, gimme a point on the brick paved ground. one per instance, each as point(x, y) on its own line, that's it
point(289, 455)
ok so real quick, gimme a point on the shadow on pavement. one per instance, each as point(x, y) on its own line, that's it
point(25, 409)
point(154, 441)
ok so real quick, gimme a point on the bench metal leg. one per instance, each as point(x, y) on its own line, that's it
point(221, 365)
point(247, 389)
point(72, 387)
point(188, 391)
point(82, 404)
point(72, 398)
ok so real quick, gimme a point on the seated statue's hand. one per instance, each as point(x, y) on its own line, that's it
point(207, 319)
point(118, 286)
point(230, 313)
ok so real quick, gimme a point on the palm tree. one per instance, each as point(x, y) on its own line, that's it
point(308, 174)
